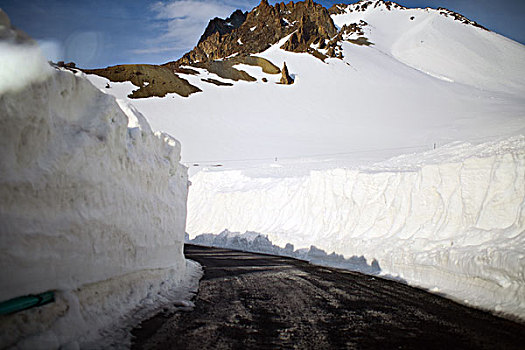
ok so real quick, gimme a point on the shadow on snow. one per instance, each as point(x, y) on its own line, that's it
point(258, 243)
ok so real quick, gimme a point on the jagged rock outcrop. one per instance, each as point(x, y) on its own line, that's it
point(286, 79)
point(265, 25)
point(224, 26)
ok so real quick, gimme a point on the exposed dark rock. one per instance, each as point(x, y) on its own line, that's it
point(224, 26)
point(286, 79)
point(365, 4)
point(216, 82)
point(361, 41)
point(265, 25)
point(337, 9)
point(224, 69)
point(71, 66)
point(66, 65)
point(445, 12)
point(349, 30)
point(354, 28)
point(267, 66)
point(182, 70)
point(316, 27)
point(151, 80)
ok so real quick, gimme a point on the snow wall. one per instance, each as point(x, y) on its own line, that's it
point(92, 204)
point(450, 220)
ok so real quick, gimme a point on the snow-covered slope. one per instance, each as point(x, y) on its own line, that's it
point(436, 43)
point(296, 162)
point(92, 205)
point(372, 99)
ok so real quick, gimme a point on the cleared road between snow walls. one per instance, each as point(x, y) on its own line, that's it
point(450, 220)
point(253, 301)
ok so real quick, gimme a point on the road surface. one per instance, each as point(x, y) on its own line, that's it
point(254, 301)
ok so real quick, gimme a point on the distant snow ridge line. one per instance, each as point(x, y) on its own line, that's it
point(92, 206)
point(364, 5)
point(440, 43)
point(450, 220)
point(257, 243)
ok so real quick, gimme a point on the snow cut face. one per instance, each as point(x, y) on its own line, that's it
point(450, 219)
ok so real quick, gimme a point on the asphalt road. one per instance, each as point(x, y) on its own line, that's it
point(253, 301)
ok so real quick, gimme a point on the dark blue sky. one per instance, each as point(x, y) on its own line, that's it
point(98, 33)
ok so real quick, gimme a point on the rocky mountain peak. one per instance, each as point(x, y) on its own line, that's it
point(223, 26)
point(250, 33)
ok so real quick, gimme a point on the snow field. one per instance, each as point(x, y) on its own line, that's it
point(368, 101)
point(440, 46)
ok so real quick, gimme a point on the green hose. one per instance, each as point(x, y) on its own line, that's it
point(26, 302)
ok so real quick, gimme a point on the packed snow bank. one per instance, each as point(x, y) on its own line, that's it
point(102, 314)
point(92, 205)
point(451, 220)
point(258, 243)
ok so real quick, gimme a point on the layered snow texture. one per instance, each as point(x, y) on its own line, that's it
point(88, 195)
point(451, 220)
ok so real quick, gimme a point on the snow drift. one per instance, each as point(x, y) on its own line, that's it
point(92, 205)
point(451, 220)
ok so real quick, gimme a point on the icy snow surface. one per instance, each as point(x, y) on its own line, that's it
point(344, 158)
point(92, 206)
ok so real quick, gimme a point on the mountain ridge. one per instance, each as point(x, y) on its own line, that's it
point(307, 26)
